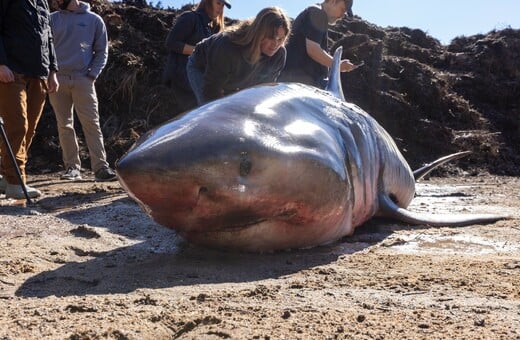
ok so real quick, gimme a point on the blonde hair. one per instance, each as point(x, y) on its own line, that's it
point(216, 23)
point(250, 33)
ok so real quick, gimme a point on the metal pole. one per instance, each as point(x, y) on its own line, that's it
point(4, 136)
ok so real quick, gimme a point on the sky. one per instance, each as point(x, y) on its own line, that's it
point(442, 19)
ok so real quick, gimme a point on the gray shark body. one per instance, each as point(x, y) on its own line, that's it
point(276, 166)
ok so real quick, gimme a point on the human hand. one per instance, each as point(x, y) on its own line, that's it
point(346, 66)
point(358, 65)
point(52, 83)
point(6, 75)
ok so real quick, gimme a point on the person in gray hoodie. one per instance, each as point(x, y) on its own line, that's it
point(81, 44)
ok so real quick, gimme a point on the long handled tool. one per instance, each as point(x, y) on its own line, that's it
point(6, 142)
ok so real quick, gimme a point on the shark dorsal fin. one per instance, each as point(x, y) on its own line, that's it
point(334, 83)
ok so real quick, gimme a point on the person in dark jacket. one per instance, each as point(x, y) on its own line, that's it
point(190, 28)
point(307, 57)
point(27, 72)
point(247, 54)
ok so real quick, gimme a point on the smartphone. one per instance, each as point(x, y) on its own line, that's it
point(358, 65)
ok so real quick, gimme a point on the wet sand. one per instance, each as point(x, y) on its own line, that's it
point(86, 262)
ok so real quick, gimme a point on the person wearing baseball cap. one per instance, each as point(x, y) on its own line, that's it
point(190, 27)
point(307, 57)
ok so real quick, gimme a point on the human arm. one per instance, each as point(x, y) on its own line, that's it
point(216, 75)
point(315, 32)
point(179, 34)
point(99, 50)
point(53, 62)
point(52, 79)
point(222, 60)
point(6, 75)
point(317, 54)
point(320, 56)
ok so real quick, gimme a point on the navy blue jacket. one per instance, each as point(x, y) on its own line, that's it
point(189, 28)
point(26, 44)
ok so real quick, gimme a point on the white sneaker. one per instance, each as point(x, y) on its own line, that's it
point(16, 191)
point(72, 174)
point(3, 184)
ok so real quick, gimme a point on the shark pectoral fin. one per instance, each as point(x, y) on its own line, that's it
point(388, 208)
point(423, 171)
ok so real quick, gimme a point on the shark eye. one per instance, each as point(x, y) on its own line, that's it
point(394, 198)
point(245, 164)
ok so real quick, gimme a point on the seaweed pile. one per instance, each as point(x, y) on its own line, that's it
point(432, 98)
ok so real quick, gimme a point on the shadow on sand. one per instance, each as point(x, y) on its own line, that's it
point(159, 258)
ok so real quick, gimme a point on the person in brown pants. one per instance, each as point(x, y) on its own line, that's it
point(27, 73)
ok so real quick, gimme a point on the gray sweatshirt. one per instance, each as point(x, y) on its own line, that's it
point(80, 40)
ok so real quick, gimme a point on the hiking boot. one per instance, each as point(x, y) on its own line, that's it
point(105, 174)
point(72, 174)
point(3, 184)
point(15, 191)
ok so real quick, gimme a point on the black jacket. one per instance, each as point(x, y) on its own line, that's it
point(226, 70)
point(26, 45)
point(189, 28)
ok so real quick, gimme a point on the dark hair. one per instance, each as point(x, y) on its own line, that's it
point(251, 32)
point(348, 6)
point(216, 23)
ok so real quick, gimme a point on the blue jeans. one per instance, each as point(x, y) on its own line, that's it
point(195, 76)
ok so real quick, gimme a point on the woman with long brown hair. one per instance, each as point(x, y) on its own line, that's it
point(247, 54)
